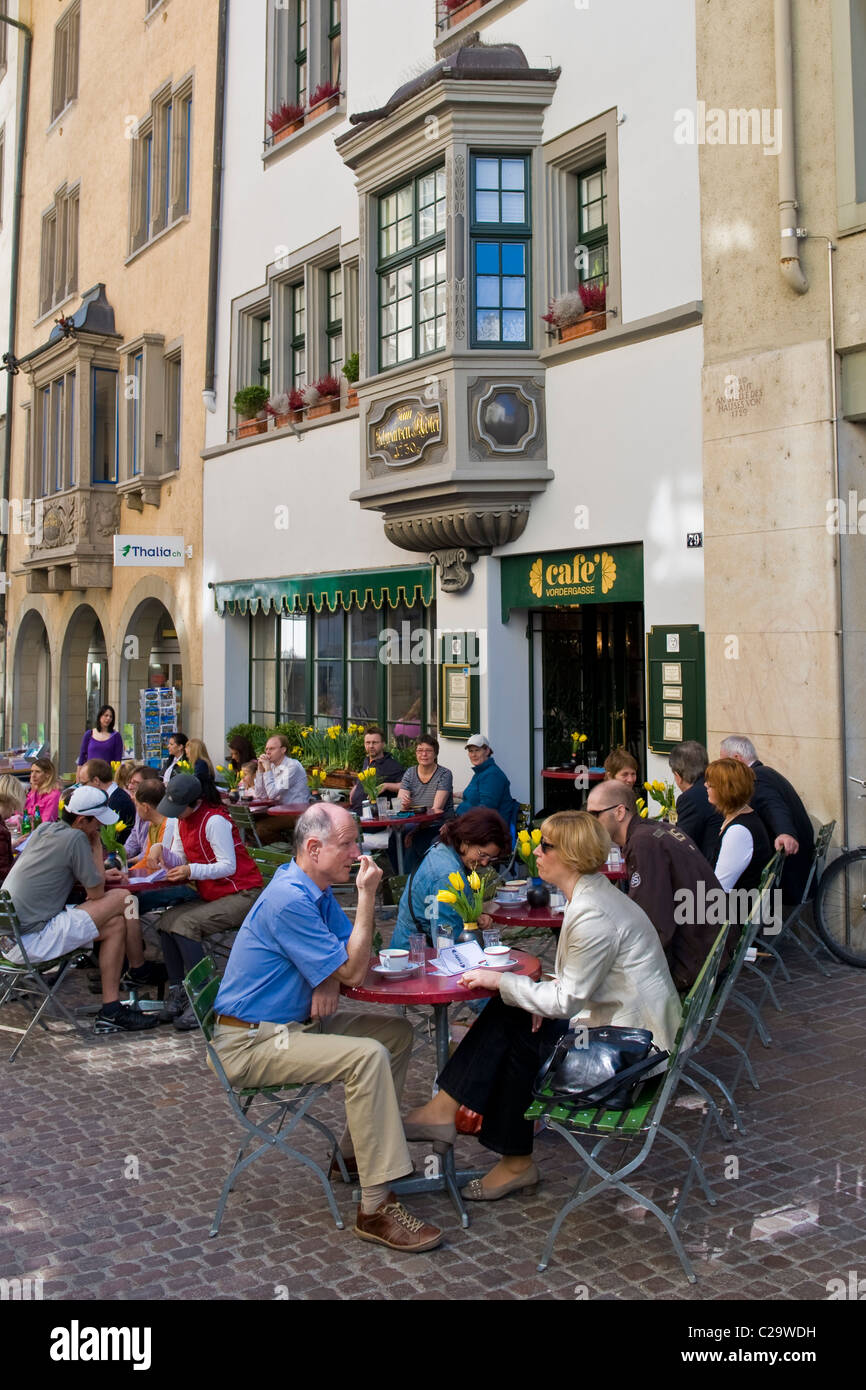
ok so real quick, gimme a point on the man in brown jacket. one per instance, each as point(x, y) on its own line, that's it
point(667, 876)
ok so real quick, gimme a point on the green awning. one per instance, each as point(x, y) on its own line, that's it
point(350, 589)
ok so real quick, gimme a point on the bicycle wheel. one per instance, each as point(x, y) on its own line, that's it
point(840, 908)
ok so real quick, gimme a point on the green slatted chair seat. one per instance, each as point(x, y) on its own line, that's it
point(287, 1106)
point(644, 1120)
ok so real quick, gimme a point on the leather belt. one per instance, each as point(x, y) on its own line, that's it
point(233, 1022)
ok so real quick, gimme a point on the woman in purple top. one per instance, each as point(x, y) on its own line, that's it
point(101, 742)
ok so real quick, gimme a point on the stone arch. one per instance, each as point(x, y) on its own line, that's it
point(84, 680)
point(153, 587)
point(31, 682)
point(144, 644)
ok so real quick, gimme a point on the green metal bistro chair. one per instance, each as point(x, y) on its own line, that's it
point(28, 980)
point(727, 991)
point(242, 817)
point(795, 916)
point(288, 1103)
point(642, 1121)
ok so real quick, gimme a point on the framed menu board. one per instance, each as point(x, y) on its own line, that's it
point(458, 685)
point(676, 686)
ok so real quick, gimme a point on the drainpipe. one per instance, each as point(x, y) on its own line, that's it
point(23, 111)
point(208, 393)
point(789, 254)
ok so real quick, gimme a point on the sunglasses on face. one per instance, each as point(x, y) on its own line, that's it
point(546, 846)
point(601, 810)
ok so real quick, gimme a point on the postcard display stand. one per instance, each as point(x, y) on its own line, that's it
point(158, 720)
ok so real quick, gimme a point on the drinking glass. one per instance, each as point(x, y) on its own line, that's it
point(417, 943)
point(492, 937)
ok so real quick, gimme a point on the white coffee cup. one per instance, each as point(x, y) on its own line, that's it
point(497, 954)
point(394, 959)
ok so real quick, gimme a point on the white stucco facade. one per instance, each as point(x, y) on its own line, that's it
point(623, 418)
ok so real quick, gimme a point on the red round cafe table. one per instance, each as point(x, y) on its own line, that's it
point(401, 825)
point(436, 992)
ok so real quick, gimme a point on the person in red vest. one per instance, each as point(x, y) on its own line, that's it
point(208, 852)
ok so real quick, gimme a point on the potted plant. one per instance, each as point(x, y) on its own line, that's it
point(322, 397)
point(286, 409)
point(351, 371)
point(250, 402)
point(285, 120)
point(461, 9)
point(323, 98)
point(578, 312)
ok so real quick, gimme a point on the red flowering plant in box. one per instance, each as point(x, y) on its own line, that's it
point(322, 397)
point(325, 91)
point(594, 297)
point(287, 117)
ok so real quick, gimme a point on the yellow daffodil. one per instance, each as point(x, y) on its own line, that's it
point(119, 827)
point(443, 896)
point(297, 749)
point(535, 837)
point(474, 881)
point(456, 882)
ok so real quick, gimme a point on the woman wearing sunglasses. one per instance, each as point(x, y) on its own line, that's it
point(610, 968)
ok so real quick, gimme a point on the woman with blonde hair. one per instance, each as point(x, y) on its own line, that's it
point(11, 804)
point(200, 766)
point(45, 791)
point(610, 968)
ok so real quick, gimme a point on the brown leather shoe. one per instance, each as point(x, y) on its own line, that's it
point(392, 1225)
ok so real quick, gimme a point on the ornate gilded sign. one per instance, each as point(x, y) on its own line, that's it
point(405, 430)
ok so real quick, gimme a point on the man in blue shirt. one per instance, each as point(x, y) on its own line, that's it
point(489, 785)
point(276, 1018)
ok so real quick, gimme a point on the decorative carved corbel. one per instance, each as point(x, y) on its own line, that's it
point(455, 567)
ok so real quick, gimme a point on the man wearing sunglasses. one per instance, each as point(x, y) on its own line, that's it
point(661, 862)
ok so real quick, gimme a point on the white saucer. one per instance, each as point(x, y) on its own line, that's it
point(508, 964)
point(403, 974)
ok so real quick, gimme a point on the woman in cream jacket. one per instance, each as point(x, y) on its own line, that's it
point(610, 968)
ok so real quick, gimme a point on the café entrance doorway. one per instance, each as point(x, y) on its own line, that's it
point(592, 678)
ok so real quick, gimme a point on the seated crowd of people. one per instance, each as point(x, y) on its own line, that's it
point(623, 958)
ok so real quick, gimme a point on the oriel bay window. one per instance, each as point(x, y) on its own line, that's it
point(56, 441)
point(500, 250)
point(411, 269)
point(149, 428)
point(103, 437)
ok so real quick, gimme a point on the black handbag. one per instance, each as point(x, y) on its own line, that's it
point(598, 1066)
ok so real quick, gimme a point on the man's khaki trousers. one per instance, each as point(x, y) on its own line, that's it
point(369, 1053)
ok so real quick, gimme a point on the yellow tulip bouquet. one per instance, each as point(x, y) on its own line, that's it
point(665, 796)
point(111, 843)
point(468, 909)
point(369, 780)
point(526, 845)
point(316, 778)
point(231, 776)
point(577, 740)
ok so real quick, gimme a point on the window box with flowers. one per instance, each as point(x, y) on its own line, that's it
point(286, 409)
point(351, 371)
point(322, 397)
point(250, 403)
point(287, 118)
point(323, 98)
point(578, 313)
point(457, 10)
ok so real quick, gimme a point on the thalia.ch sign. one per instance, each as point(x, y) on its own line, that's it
point(150, 550)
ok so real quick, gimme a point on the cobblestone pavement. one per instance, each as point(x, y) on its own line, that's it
point(115, 1151)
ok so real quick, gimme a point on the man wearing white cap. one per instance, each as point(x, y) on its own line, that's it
point(489, 785)
point(58, 855)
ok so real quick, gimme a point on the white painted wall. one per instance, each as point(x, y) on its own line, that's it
point(624, 426)
point(8, 123)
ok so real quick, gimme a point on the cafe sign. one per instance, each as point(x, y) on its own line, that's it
point(405, 430)
point(569, 578)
